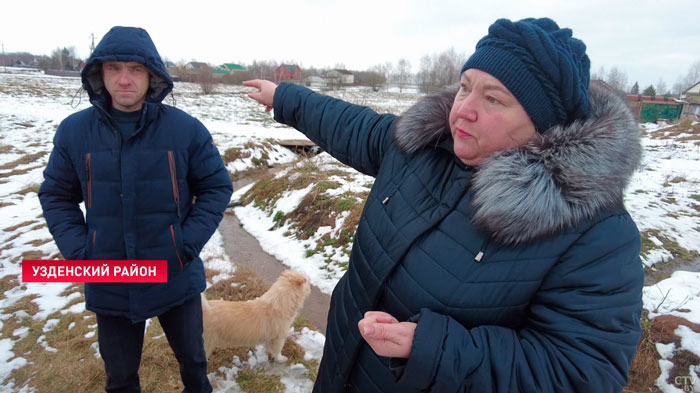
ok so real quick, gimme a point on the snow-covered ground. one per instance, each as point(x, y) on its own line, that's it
point(663, 198)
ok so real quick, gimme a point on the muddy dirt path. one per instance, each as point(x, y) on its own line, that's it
point(245, 251)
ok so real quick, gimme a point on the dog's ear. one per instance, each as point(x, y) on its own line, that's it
point(297, 279)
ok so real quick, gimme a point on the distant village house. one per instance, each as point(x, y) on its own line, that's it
point(691, 103)
point(232, 67)
point(316, 81)
point(288, 73)
point(195, 66)
point(339, 77)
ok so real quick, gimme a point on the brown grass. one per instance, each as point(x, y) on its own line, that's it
point(159, 368)
point(20, 225)
point(233, 154)
point(24, 304)
point(645, 368)
point(8, 282)
point(269, 189)
point(254, 173)
point(29, 158)
point(669, 244)
point(32, 255)
point(258, 381)
point(38, 226)
point(689, 131)
point(40, 242)
point(314, 211)
point(247, 286)
point(17, 172)
point(682, 362)
point(32, 188)
point(75, 369)
point(5, 204)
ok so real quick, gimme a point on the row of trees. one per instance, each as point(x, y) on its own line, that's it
point(63, 59)
point(442, 69)
point(434, 72)
point(617, 79)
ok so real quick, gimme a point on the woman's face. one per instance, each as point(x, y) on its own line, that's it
point(486, 118)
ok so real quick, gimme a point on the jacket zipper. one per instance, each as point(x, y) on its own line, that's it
point(172, 233)
point(479, 257)
point(89, 179)
point(173, 180)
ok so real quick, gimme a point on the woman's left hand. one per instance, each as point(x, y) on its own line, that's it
point(386, 335)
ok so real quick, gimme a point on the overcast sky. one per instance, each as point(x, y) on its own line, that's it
point(647, 39)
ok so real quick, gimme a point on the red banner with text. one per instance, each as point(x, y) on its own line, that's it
point(94, 271)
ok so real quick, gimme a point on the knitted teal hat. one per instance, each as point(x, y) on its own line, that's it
point(544, 67)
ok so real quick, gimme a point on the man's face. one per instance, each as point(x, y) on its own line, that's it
point(127, 83)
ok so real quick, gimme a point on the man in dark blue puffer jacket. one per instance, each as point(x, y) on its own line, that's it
point(138, 166)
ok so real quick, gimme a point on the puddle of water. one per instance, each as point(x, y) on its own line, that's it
point(664, 270)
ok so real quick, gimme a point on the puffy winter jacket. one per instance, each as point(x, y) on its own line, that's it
point(523, 274)
point(139, 192)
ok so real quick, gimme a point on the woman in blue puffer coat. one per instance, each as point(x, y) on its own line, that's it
point(494, 253)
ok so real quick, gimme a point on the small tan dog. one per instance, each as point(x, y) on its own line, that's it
point(264, 320)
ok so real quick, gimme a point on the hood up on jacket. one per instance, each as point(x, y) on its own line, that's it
point(126, 44)
point(560, 178)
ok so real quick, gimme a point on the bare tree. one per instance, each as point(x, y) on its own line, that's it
point(600, 75)
point(440, 70)
point(423, 76)
point(661, 89)
point(403, 73)
point(449, 63)
point(374, 77)
point(56, 59)
point(388, 69)
point(205, 79)
point(264, 69)
point(687, 81)
point(617, 79)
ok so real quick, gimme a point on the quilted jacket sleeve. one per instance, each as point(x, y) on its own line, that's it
point(60, 194)
point(581, 334)
point(355, 135)
point(211, 185)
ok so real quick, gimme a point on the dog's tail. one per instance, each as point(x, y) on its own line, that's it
point(205, 303)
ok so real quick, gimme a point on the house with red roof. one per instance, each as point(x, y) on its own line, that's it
point(288, 72)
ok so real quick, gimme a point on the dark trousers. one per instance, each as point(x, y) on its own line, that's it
point(121, 342)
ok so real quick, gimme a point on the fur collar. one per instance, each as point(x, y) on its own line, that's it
point(557, 180)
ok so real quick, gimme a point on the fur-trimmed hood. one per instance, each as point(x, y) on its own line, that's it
point(560, 178)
